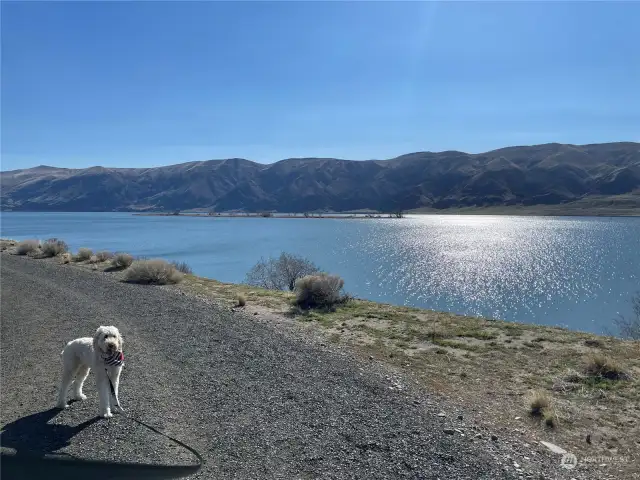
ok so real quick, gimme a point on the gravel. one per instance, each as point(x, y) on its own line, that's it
point(255, 402)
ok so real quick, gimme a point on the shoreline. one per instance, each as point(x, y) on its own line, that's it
point(477, 364)
point(474, 211)
point(257, 215)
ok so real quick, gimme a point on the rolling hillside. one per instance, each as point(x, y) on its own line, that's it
point(547, 174)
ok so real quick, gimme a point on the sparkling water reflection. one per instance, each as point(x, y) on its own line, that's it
point(574, 271)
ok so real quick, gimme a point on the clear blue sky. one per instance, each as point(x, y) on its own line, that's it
point(155, 83)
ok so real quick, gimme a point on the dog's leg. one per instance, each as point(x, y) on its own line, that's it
point(81, 376)
point(67, 378)
point(115, 380)
point(103, 392)
point(69, 369)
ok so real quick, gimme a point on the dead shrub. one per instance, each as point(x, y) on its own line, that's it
point(280, 273)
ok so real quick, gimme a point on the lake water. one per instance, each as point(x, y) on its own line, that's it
point(578, 272)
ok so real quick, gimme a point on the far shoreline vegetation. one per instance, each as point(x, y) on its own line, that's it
point(576, 389)
point(593, 206)
point(305, 215)
point(620, 206)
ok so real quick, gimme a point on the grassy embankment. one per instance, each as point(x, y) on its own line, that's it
point(548, 383)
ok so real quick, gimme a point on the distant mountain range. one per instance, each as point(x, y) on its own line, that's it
point(547, 174)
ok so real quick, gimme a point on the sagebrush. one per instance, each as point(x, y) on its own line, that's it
point(319, 291)
point(104, 255)
point(27, 246)
point(54, 247)
point(121, 260)
point(83, 254)
point(152, 272)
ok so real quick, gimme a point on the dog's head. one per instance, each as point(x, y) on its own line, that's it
point(107, 340)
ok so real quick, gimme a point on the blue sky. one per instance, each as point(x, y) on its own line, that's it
point(154, 83)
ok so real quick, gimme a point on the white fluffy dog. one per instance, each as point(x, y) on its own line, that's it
point(104, 354)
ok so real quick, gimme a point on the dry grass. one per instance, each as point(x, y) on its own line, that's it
point(93, 259)
point(538, 402)
point(54, 247)
point(152, 272)
point(83, 254)
point(27, 246)
point(476, 363)
point(549, 418)
point(601, 366)
point(121, 261)
point(242, 300)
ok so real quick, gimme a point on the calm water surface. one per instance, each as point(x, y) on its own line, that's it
point(578, 272)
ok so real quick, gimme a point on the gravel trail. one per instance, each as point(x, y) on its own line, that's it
point(256, 403)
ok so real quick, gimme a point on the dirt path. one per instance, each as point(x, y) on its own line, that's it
point(254, 402)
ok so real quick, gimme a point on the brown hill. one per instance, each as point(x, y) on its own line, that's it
point(530, 175)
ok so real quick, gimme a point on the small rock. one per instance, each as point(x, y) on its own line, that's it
point(589, 439)
point(416, 402)
point(442, 414)
point(478, 435)
point(518, 418)
point(494, 438)
point(370, 357)
point(449, 431)
point(554, 448)
point(460, 417)
point(255, 313)
point(516, 465)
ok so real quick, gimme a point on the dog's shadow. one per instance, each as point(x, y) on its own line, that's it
point(35, 436)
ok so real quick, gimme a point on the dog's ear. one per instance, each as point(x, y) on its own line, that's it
point(96, 337)
point(120, 338)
